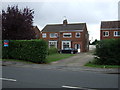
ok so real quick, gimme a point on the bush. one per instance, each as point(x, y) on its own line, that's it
point(108, 52)
point(28, 50)
point(52, 50)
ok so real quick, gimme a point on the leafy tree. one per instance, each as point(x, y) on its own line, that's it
point(95, 42)
point(17, 23)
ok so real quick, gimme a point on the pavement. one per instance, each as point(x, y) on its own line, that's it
point(74, 63)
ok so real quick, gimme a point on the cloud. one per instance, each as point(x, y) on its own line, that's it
point(91, 12)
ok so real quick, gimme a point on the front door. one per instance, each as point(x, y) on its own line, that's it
point(77, 46)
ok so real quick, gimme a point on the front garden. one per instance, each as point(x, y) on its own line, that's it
point(31, 51)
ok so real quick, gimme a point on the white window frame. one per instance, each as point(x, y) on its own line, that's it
point(53, 42)
point(116, 33)
point(76, 35)
point(44, 35)
point(55, 35)
point(66, 42)
point(67, 34)
point(105, 33)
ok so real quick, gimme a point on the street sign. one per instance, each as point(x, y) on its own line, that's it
point(6, 43)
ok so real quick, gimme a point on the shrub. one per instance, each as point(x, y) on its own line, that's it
point(108, 52)
point(28, 50)
point(52, 50)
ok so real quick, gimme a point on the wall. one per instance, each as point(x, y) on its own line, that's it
point(83, 40)
point(111, 34)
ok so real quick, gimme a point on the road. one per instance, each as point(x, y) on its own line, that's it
point(24, 77)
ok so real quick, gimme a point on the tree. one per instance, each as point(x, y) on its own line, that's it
point(17, 23)
point(95, 42)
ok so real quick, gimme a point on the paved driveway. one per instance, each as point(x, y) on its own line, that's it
point(77, 60)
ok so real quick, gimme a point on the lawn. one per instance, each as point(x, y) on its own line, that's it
point(56, 57)
point(50, 58)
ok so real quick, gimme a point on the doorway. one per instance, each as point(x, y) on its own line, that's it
point(77, 46)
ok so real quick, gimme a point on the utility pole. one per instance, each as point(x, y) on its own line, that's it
point(119, 10)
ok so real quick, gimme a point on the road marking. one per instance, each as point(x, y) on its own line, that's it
point(8, 79)
point(77, 87)
point(69, 87)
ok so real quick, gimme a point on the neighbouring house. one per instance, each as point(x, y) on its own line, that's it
point(110, 29)
point(37, 32)
point(67, 35)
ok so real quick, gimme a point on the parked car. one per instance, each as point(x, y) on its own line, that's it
point(68, 50)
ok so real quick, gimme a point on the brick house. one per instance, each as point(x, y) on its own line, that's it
point(110, 29)
point(67, 35)
point(37, 32)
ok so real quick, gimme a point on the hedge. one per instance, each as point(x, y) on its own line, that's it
point(108, 52)
point(28, 50)
point(52, 50)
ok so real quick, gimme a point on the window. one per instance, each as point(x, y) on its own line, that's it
point(116, 33)
point(53, 44)
point(66, 44)
point(53, 35)
point(44, 35)
point(67, 35)
point(106, 33)
point(77, 35)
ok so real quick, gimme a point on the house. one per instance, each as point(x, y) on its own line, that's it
point(110, 29)
point(37, 32)
point(67, 35)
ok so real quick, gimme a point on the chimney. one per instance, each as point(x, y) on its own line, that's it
point(65, 22)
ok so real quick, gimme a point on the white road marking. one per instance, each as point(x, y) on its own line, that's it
point(8, 79)
point(69, 87)
point(77, 87)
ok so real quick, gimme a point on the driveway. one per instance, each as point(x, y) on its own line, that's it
point(78, 60)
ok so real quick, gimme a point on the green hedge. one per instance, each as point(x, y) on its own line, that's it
point(28, 50)
point(52, 50)
point(108, 52)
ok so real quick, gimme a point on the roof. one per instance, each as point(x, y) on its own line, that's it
point(62, 27)
point(110, 24)
point(36, 29)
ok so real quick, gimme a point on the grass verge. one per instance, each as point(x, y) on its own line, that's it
point(16, 60)
point(56, 57)
point(50, 58)
point(101, 66)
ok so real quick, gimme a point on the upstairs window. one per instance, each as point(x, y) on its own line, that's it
point(67, 35)
point(44, 35)
point(53, 35)
point(116, 33)
point(106, 33)
point(77, 35)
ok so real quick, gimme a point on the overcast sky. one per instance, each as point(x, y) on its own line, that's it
point(91, 12)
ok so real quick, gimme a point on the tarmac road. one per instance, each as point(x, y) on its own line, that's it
point(25, 77)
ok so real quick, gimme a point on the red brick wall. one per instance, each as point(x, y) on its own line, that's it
point(81, 40)
point(111, 34)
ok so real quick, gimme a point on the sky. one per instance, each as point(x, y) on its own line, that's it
point(91, 12)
